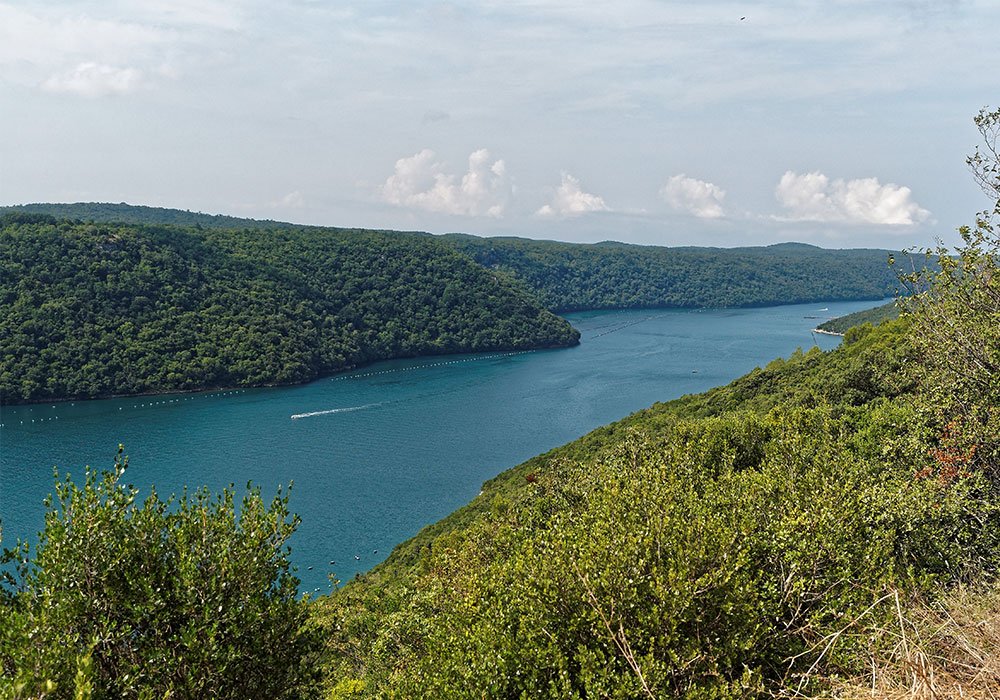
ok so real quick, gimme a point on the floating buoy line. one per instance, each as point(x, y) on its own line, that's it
point(135, 406)
point(433, 364)
point(217, 394)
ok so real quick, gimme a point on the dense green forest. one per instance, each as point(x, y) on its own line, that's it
point(94, 308)
point(573, 277)
point(100, 309)
point(874, 316)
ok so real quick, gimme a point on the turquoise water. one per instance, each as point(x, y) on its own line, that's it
point(380, 452)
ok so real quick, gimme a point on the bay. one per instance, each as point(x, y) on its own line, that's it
point(377, 453)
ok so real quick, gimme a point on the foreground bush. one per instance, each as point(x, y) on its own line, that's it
point(184, 598)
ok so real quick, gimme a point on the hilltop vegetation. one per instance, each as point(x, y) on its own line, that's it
point(108, 213)
point(98, 309)
point(574, 277)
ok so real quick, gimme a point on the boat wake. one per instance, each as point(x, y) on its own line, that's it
point(346, 409)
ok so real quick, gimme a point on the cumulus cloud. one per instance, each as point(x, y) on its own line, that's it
point(703, 199)
point(814, 197)
point(571, 200)
point(421, 181)
point(95, 80)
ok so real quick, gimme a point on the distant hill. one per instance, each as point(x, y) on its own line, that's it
point(609, 275)
point(93, 309)
point(574, 277)
point(101, 212)
point(875, 316)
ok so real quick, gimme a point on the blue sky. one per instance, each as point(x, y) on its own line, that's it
point(840, 123)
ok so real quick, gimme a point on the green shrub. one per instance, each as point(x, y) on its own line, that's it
point(190, 597)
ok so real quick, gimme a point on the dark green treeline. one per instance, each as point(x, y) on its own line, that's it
point(98, 309)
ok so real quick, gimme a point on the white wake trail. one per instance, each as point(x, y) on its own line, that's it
point(346, 409)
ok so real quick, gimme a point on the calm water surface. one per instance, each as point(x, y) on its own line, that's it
point(378, 453)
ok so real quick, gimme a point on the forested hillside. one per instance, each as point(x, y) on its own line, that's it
point(572, 277)
point(99, 309)
point(575, 277)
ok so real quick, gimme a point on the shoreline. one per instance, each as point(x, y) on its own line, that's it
point(324, 375)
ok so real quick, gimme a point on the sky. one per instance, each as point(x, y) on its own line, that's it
point(842, 123)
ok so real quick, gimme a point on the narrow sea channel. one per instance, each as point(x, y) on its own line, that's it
point(378, 453)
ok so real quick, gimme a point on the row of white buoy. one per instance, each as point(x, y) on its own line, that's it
point(186, 398)
point(434, 364)
point(148, 404)
point(35, 420)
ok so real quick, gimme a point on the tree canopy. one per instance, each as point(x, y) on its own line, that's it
point(99, 309)
point(574, 277)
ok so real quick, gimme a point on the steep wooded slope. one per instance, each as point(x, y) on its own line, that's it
point(98, 309)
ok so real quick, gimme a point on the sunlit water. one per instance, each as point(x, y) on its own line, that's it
point(380, 452)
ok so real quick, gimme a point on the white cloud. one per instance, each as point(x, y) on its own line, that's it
point(570, 200)
point(421, 181)
point(95, 80)
point(703, 199)
point(814, 197)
